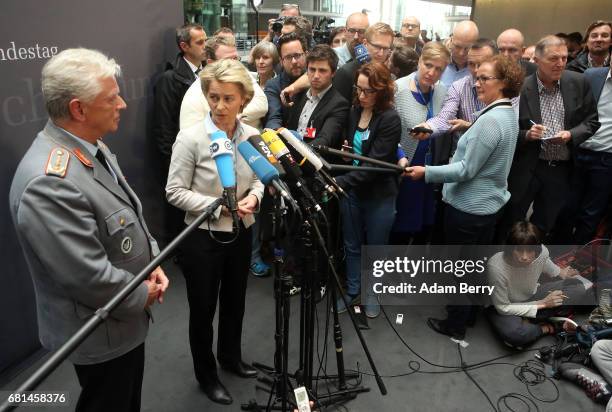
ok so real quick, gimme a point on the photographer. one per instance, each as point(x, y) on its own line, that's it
point(274, 30)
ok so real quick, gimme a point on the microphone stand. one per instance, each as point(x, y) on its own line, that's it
point(280, 382)
point(102, 313)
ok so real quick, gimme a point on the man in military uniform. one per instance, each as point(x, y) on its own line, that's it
point(83, 233)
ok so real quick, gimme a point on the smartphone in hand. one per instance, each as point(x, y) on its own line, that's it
point(421, 130)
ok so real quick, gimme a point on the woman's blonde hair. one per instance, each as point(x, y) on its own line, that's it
point(228, 71)
point(435, 50)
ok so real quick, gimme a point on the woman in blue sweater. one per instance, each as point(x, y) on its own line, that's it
point(475, 182)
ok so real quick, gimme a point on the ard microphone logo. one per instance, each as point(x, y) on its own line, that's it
point(214, 148)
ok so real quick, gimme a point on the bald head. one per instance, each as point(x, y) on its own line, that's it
point(511, 43)
point(356, 25)
point(411, 28)
point(464, 35)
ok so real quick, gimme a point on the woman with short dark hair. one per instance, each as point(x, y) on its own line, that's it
point(521, 304)
point(374, 129)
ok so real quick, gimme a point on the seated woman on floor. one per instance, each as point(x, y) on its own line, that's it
point(521, 305)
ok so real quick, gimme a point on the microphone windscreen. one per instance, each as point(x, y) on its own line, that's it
point(301, 147)
point(361, 54)
point(264, 171)
point(263, 149)
point(221, 150)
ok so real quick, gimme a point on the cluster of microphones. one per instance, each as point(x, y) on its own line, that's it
point(274, 157)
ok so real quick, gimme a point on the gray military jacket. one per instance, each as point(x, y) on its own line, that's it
point(83, 236)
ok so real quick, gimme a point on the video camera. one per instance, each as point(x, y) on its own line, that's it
point(322, 33)
point(277, 26)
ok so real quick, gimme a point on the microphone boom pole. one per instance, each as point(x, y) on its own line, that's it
point(340, 153)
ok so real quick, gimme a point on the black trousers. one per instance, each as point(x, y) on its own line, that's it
point(469, 230)
point(114, 385)
point(213, 270)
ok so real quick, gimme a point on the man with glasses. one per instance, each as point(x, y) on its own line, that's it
point(511, 43)
point(598, 48)
point(379, 44)
point(465, 34)
point(356, 26)
point(410, 31)
point(194, 106)
point(557, 113)
point(291, 49)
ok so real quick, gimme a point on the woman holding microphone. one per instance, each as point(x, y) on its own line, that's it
point(215, 260)
point(368, 213)
point(475, 182)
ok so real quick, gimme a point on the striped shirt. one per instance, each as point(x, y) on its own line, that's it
point(475, 181)
point(552, 111)
point(461, 103)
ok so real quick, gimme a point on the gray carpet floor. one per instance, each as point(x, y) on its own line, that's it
point(169, 383)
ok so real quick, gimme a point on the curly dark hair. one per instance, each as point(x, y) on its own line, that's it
point(509, 72)
point(288, 38)
point(380, 80)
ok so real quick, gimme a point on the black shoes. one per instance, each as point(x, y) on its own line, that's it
point(216, 392)
point(439, 326)
point(244, 370)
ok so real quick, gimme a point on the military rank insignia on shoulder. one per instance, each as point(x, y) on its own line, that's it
point(57, 164)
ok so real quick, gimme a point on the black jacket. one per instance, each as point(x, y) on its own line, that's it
point(580, 120)
point(581, 62)
point(328, 118)
point(345, 79)
point(169, 91)
point(385, 131)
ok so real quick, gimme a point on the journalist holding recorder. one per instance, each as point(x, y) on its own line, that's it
point(475, 182)
point(215, 259)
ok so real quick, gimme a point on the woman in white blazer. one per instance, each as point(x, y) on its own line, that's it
point(214, 259)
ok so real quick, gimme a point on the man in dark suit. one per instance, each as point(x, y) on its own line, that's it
point(511, 43)
point(592, 180)
point(83, 233)
point(319, 114)
point(557, 113)
point(168, 93)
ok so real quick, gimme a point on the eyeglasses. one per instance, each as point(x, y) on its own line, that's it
point(367, 92)
point(459, 47)
point(377, 48)
point(296, 56)
point(484, 79)
point(353, 31)
point(410, 26)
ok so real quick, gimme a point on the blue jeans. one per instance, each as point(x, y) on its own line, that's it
point(364, 222)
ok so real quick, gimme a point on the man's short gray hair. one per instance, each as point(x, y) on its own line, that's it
point(74, 73)
point(546, 42)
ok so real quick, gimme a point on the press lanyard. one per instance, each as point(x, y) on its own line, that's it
point(428, 155)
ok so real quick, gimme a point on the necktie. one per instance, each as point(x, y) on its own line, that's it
point(102, 160)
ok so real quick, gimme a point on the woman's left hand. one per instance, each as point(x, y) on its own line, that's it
point(247, 205)
point(415, 172)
